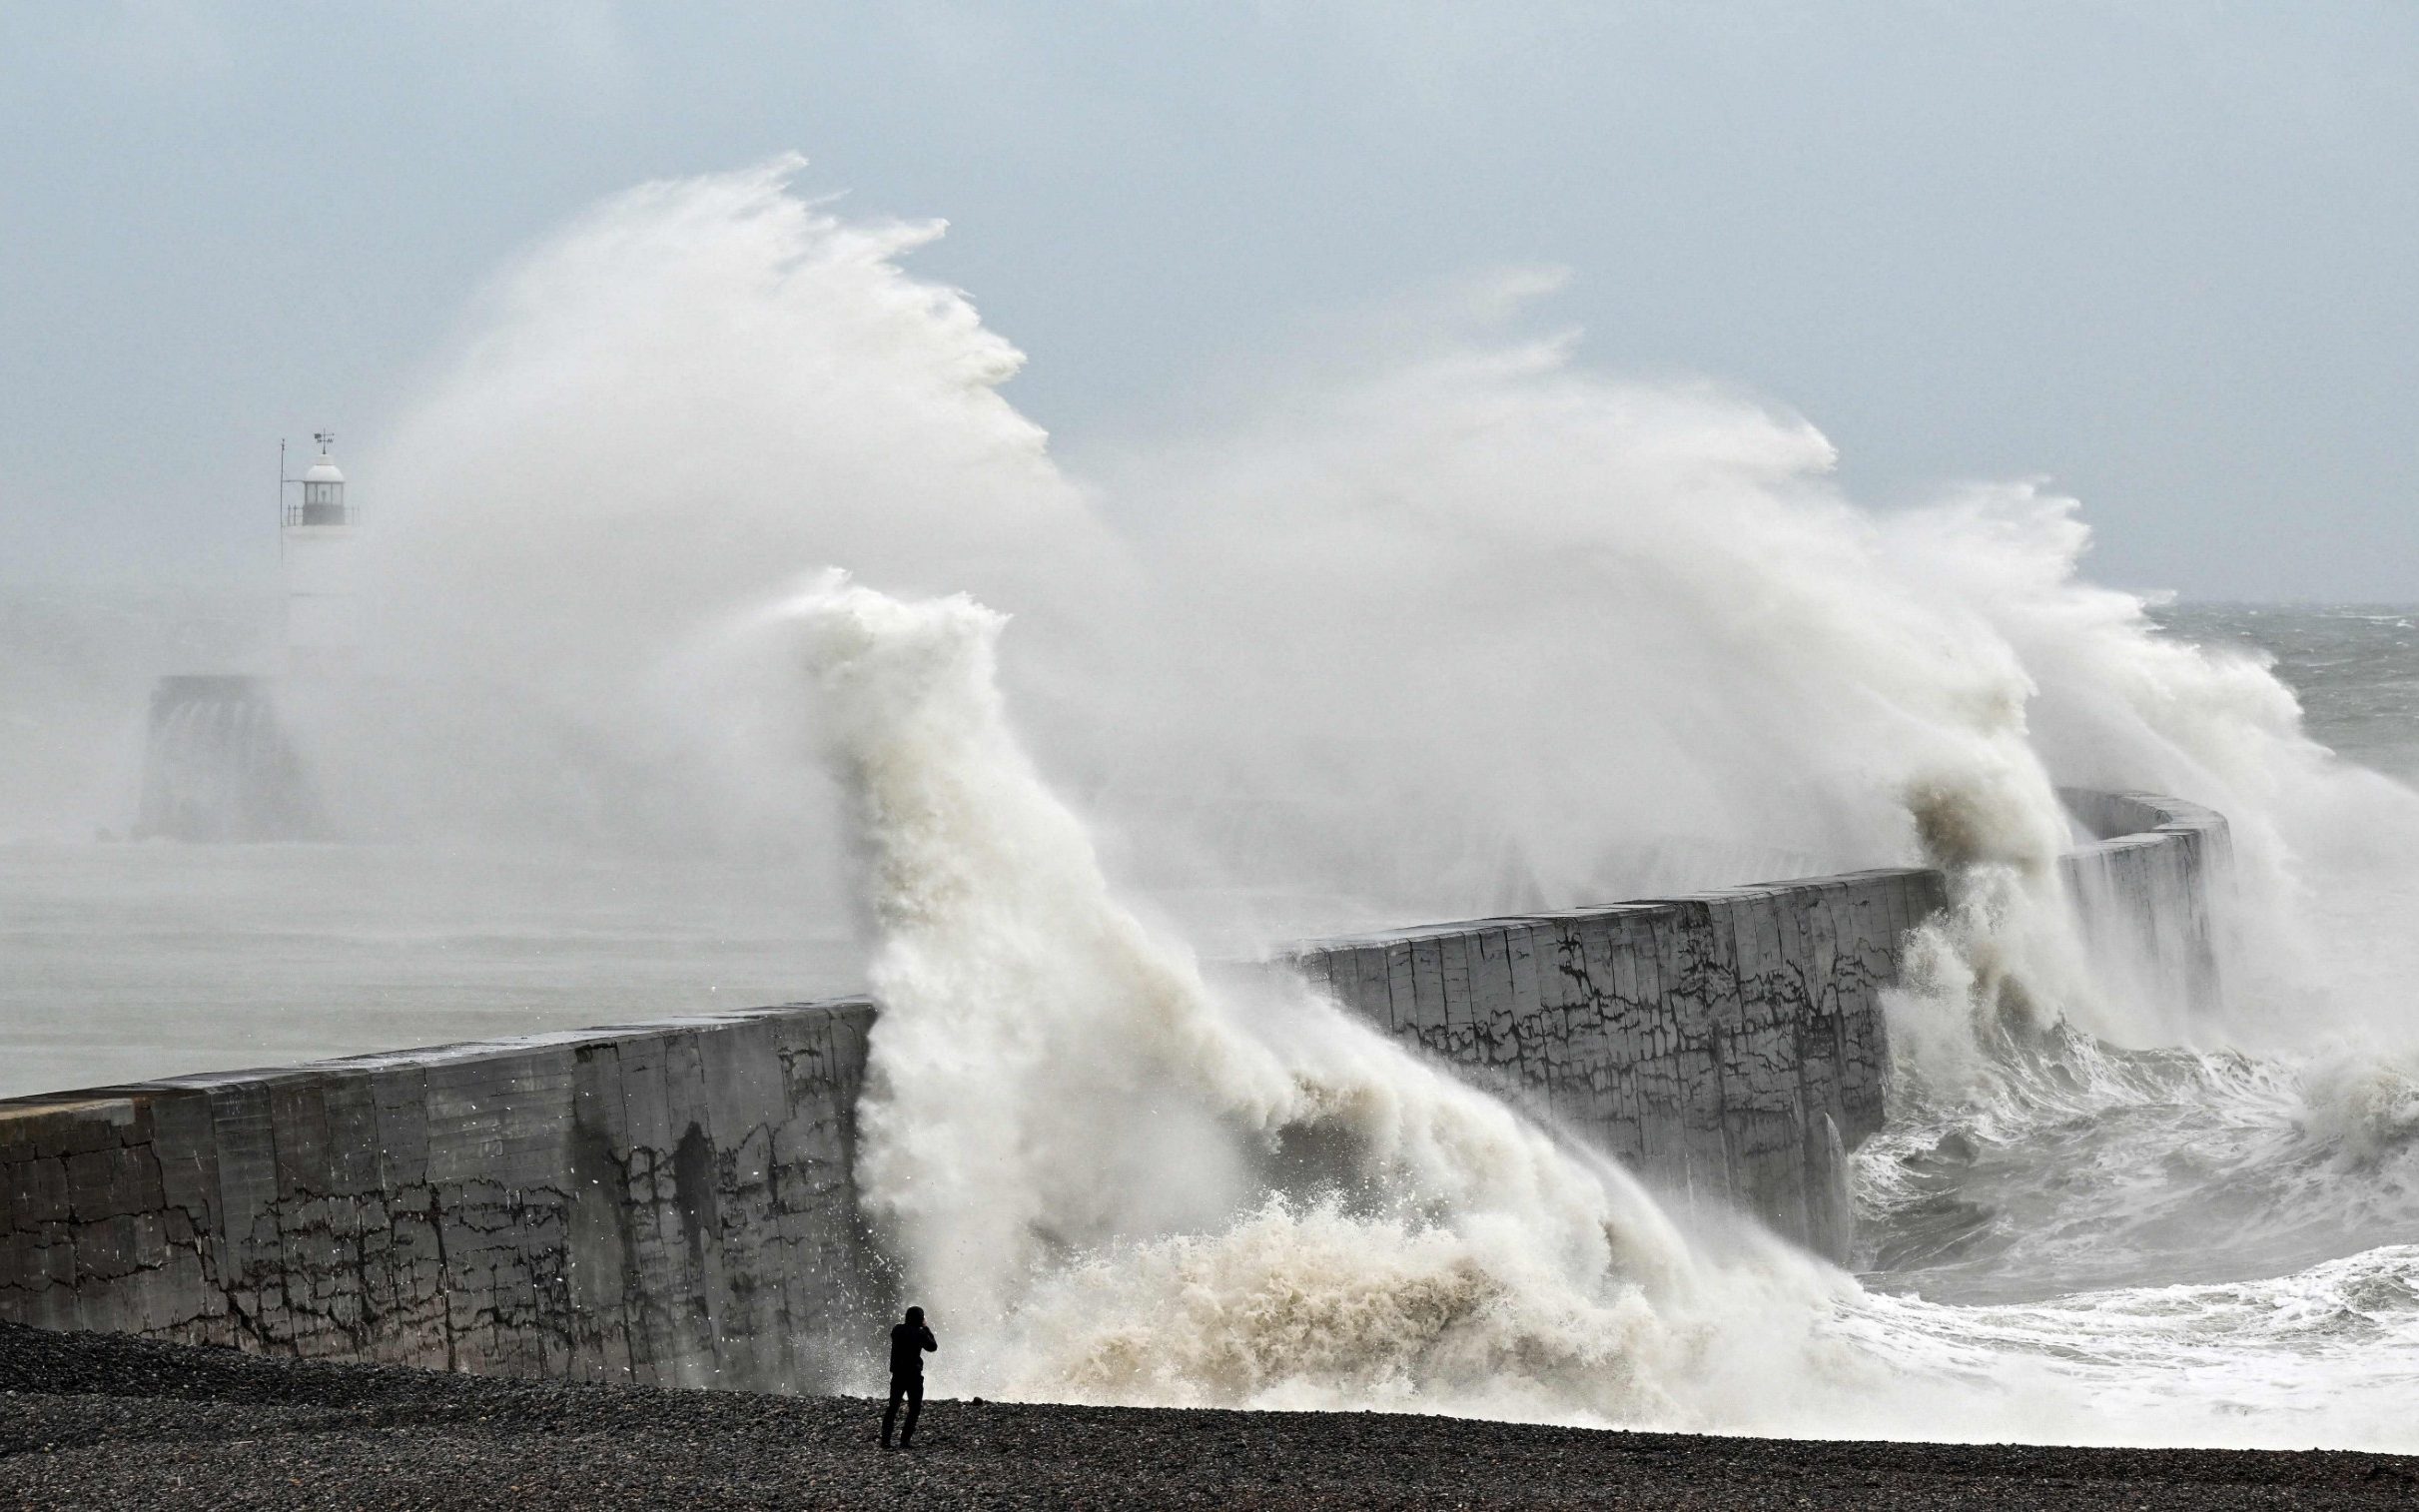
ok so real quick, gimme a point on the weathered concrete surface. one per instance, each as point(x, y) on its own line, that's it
point(1729, 1046)
point(2151, 895)
point(675, 1203)
point(672, 1204)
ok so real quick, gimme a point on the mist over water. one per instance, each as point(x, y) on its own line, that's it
point(1461, 628)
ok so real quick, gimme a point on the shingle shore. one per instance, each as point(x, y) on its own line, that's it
point(94, 1420)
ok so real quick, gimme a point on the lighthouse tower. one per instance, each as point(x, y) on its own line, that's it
point(317, 543)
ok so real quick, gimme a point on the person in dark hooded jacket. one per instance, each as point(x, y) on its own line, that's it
point(908, 1341)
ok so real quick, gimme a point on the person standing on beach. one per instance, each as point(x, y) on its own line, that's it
point(908, 1341)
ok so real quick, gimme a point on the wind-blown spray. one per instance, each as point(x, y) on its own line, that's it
point(1059, 1105)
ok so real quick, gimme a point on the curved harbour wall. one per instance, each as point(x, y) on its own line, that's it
point(2151, 896)
point(675, 1203)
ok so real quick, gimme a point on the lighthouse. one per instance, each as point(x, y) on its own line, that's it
point(220, 764)
point(316, 540)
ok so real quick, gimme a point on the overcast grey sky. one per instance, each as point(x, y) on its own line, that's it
point(2161, 253)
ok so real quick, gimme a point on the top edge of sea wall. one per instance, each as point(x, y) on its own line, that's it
point(2118, 819)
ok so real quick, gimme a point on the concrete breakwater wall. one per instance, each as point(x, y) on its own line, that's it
point(1728, 1047)
point(668, 1203)
point(675, 1203)
point(2151, 896)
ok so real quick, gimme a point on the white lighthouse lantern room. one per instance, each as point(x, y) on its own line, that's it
point(317, 540)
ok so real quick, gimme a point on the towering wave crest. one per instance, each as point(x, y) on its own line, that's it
point(656, 415)
point(1125, 1182)
point(1586, 628)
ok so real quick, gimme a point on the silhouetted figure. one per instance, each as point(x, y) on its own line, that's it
point(908, 1341)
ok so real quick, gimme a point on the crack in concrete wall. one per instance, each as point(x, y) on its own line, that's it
point(1729, 1048)
point(676, 1203)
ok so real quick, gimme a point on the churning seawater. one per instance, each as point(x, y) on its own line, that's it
point(1436, 633)
point(2237, 1230)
